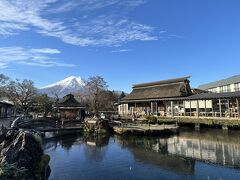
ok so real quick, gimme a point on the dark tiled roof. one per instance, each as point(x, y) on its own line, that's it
point(69, 101)
point(224, 82)
point(161, 89)
point(208, 96)
point(214, 96)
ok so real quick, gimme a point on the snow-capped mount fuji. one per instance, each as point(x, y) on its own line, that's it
point(72, 84)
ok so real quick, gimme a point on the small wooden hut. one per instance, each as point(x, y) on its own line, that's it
point(6, 109)
point(70, 109)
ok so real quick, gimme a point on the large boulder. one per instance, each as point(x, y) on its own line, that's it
point(21, 149)
point(96, 126)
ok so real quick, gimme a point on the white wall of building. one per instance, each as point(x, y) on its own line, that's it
point(123, 109)
point(227, 88)
point(200, 102)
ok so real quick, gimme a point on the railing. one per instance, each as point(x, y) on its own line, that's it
point(19, 120)
point(186, 114)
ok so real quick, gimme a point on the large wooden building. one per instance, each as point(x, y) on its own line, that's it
point(175, 97)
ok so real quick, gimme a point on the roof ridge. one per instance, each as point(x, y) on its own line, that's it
point(161, 82)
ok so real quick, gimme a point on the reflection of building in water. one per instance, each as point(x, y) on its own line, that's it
point(214, 151)
point(153, 151)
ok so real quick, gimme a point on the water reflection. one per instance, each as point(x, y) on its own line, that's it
point(154, 151)
point(65, 142)
point(135, 157)
point(96, 147)
point(213, 146)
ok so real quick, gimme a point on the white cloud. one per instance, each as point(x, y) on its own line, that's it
point(121, 50)
point(92, 5)
point(94, 30)
point(34, 57)
point(46, 51)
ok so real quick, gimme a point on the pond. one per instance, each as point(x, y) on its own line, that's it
point(205, 154)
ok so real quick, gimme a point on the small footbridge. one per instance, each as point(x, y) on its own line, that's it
point(46, 125)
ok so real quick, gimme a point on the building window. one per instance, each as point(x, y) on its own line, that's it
point(229, 88)
point(214, 90)
point(224, 89)
point(237, 86)
point(221, 89)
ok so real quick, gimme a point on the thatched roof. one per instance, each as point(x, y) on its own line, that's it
point(161, 89)
point(162, 82)
point(4, 103)
point(198, 91)
point(69, 101)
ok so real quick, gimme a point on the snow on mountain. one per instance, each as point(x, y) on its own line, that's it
point(71, 84)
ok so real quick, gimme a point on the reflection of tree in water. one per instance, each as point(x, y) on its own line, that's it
point(153, 150)
point(69, 142)
point(66, 142)
point(96, 147)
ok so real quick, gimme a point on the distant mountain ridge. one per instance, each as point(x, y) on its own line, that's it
point(72, 84)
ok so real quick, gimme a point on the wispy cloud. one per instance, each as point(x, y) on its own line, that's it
point(163, 34)
point(92, 5)
point(121, 50)
point(28, 56)
point(174, 36)
point(97, 29)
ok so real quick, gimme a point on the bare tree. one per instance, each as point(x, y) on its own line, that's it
point(56, 92)
point(95, 86)
point(107, 100)
point(43, 104)
point(21, 93)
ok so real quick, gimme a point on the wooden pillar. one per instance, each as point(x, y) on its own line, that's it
point(220, 107)
point(197, 108)
point(238, 111)
point(152, 107)
point(135, 108)
point(205, 107)
point(166, 108)
point(212, 108)
point(156, 108)
point(228, 104)
point(184, 108)
point(172, 108)
point(190, 104)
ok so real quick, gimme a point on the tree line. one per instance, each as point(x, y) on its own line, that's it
point(25, 97)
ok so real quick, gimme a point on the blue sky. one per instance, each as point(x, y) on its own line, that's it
point(125, 41)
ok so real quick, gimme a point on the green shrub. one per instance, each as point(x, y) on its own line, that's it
point(151, 119)
point(11, 171)
point(38, 138)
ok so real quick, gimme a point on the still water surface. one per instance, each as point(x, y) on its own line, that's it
point(205, 154)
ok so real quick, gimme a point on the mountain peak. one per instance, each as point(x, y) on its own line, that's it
point(67, 81)
point(71, 84)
